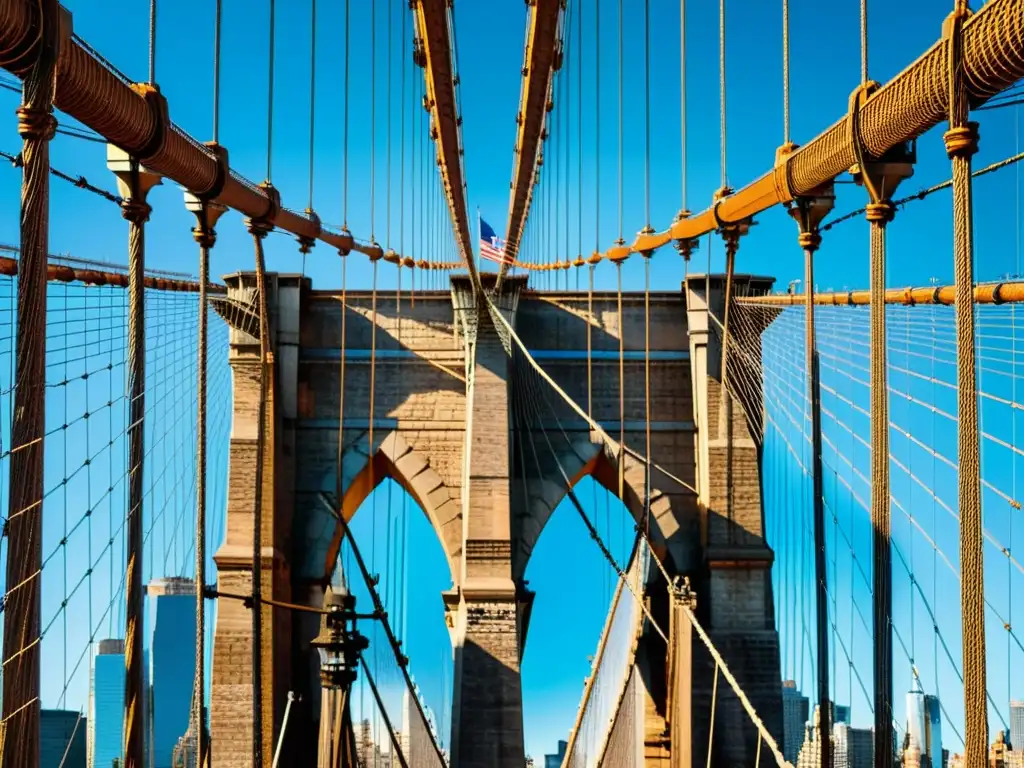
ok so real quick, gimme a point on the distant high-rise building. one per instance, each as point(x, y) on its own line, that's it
point(185, 751)
point(924, 726)
point(1017, 726)
point(555, 760)
point(62, 739)
point(172, 663)
point(810, 751)
point(417, 735)
point(795, 710)
point(862, 748)
point(841, 714)
point(106, 705)
point(853, 747)
point(933, 730)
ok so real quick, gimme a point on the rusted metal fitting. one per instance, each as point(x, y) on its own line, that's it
point(619, 252)
point(422, 264)
point(595, 259)
point(34, 123)
point(962, 141)
point(345, 247)
point(809, 241)
point(880, 213)
point(223, 169)
point(781, 172)
point(685, 245)
point(306, 243)
point(578, 261)
point(207, 213)
point(392, 257)
point(809, 211)
point(273, 201)
point(136, 211)
point(409, 263)
point(157, 104)
point(259, 227)
point(374, 252)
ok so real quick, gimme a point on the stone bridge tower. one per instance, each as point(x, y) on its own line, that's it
point(486, 448)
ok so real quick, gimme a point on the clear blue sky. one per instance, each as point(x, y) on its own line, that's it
point(490, 56)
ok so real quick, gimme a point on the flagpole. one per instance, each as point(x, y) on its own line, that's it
point(479, 259)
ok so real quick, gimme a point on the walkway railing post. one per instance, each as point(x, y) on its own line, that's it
point(24, 526)
point(134, 183)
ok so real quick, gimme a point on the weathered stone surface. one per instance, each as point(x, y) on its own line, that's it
point(487, 450)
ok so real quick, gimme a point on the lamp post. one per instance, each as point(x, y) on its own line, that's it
point(339, 645)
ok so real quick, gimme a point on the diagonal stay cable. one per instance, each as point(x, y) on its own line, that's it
point(381, 613)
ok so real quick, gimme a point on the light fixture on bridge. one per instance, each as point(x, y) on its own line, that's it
point(339, 642)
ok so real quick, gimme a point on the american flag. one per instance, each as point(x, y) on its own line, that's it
point(491, 246)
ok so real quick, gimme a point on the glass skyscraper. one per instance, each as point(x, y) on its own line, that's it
point(106, 705)
point(924, 726)
point(1017, 725)
point(795, 711)
point(172, 654)
point(555, 760)
point(61, 739)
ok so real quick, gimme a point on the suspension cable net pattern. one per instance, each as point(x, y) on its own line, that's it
point(85, 500)
point(768, 374)
point(605, 724)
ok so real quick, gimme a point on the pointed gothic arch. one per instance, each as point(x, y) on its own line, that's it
point(394, 458)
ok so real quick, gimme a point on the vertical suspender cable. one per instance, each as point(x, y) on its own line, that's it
point(961, 143)
point(817, 499)
point(647, 116)
point(348, 57)
point(622, 384)
point(863, 41)
point(136, 211)
point(721, 84)
point(339, 480)
point(618, 278)
point(373, 119)
point(152, 42)
point(647, 267)
point(312, 103)
point(682, 101)
point(597, 206)
point(809, 212)
point(597, 126)
point(205, 237)
point(579, 147)
point(259, 230)
point(620, 240)
point(785, 71)
point(390, 132)
point(216, 69)
point(270, 91)
point(376, 257)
